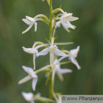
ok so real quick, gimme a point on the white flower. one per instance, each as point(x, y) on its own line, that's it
point(53, 50)
point(33, 51)
point(57, 69)
point(31, 75)
point(29, 97)
point(65, 20)
point(73, 55)
point(30, 21)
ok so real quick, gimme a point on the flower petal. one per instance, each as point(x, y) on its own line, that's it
point(67, 15)
point(27, 69)
point(59, 52)
point(32, 102)
point(53, 76)
point(72, 18)
point(74, 52)
point(60, 76)
point(56, 61)
point(34, 83)
point(74, 61)
point(27, 96)
point(70, 25)
point(26, 21)
point(30, 19)
point(27, 29)
point(58, 23)
point(33, 75)
point(66, 26)
point(35, 28)
point(25, 79)
point(43, 52)
point(63, 71)
point(29, 50)
point(56, 64)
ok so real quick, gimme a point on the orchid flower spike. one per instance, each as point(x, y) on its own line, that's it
point(65, 20)
point(57, 69)
point(29, 97)
point(33, 51)
point(30, 21)
point(31, 75)
point(72, 55)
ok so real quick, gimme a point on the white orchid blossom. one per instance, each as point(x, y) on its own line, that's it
point(32, 98)
point(57, 69)
point(29, 97)
point(65, 20)
point(31, 75)
point(30, 21)
point(53, 50)
point(73, 55)
point(33, 51)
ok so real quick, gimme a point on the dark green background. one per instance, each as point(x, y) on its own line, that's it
point(88, 34)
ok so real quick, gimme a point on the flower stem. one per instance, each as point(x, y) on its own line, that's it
point(50, 87)
point(50, 38)
point(50, 24)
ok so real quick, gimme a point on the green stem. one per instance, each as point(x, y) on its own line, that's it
point(50, 87)
point(50, 24)
point(50, 38)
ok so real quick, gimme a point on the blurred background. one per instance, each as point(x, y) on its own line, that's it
point(88, 34)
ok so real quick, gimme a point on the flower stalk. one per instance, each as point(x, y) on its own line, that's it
point(51, 54)
point(50, 23)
